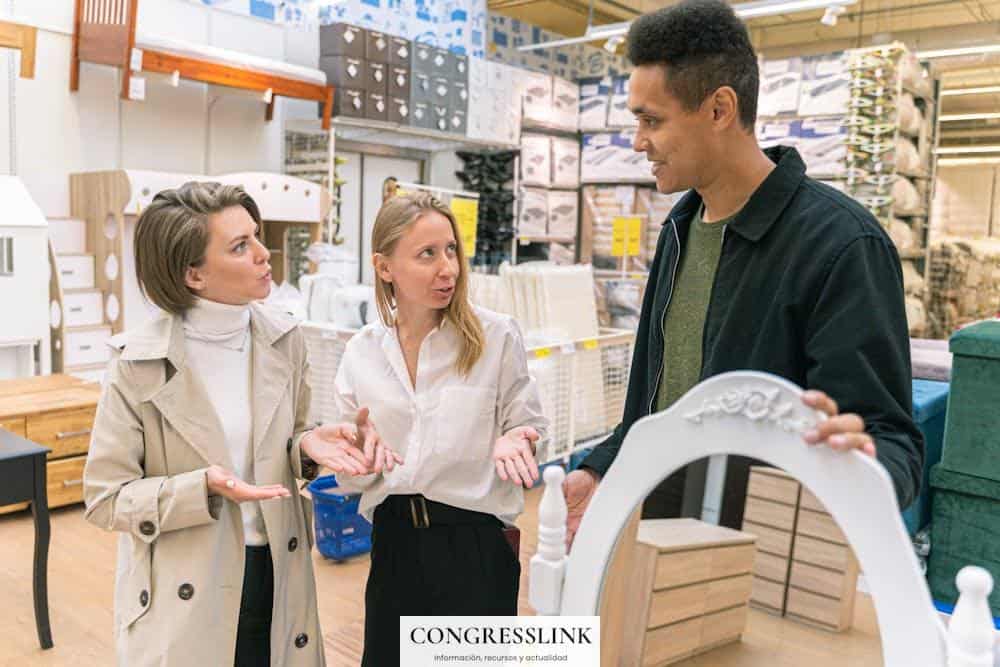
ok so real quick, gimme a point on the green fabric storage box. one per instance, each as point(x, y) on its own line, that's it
point(972, 429)
point(965, 530)
point(929, 402)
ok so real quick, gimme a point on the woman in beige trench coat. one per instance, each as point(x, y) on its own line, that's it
point(195, 463)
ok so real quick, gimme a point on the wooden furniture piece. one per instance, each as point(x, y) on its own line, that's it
point(22, 479)
point(688, 592)
point(55, 412)
point(23, 38)
point(753, 414)
point(105, 32)
point(805, 568)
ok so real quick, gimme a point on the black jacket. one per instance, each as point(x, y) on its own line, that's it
point(808, 287)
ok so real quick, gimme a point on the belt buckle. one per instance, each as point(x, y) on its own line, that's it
point(418, 512)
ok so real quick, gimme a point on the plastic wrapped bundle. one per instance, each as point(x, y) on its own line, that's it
point(907, 158)
point(910, 118)
point(905, 196)
point(916, 316)
point(901, 235)
point(964, 283)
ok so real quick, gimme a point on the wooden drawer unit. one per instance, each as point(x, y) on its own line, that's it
point(773, 484)
point(825, 612)
point(13, 424)
point(770, 540)
point(83, 347)
point(688, 591)
point(769, 513)
point(83, 308)
point(819, 525)
point(771, 567)
point(76, 271)
point(55, 411)
point(768, 595)
point(65, 433)
point(825, 554)
point(65, 481)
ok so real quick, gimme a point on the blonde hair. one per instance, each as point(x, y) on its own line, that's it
point(172, 234)
point(396, 216)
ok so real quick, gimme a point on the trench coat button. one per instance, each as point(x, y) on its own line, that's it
point(147, 528)
point(293, 544)
point(185, 592)
point(301, 640)
point(144, 598)
point(288, 446)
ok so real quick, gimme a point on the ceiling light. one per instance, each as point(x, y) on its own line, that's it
point(611, 46)
point(953, 150)
point(968, 116)
point(984, 90)
point(831, 15)
point(744, 10)
point(961, 51)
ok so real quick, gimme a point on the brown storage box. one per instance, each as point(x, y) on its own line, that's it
point(399, 110)
point(342, 39)
point(377, 47)
point(349, 102)
point(377, 78)
point(400, 52)
point(399, 81)
point(344, 71)
point(376, 107)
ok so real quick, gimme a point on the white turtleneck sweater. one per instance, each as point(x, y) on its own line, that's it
point(217, 347)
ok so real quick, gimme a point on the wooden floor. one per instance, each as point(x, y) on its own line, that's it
point(81, 572)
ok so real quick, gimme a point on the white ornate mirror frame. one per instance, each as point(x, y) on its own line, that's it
point(762, 416)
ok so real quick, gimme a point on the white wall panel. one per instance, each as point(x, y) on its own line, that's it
point(302, 46)
point(246, 34)
point(47, 14)
point(59, 132)
point(5, 106)
point(175, 19)
point(241, 140)
point(166, 131)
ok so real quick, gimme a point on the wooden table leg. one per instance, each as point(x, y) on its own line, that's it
point(40, 510)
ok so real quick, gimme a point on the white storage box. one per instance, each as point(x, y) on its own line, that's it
point(565, 104)
point(533, 217)
point(780, 84)
point(564, 209)
point(609, 157)
point(536, 160)
point(536, 96)
point(825, 85)
point(565, 163)
point(76, 271)
point(595, 96)
point(619, 114)
point(68, 235)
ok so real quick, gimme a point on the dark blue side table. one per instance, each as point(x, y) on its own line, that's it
point(22, 478)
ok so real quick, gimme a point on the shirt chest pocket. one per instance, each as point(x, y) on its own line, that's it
point(463, 423)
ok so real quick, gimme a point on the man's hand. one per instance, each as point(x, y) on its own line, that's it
point(350, 449)
point(578, 488)
point(223, 483)
point(514, 456)
point(840, 432)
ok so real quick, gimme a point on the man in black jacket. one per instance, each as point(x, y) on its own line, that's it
point(757, 267)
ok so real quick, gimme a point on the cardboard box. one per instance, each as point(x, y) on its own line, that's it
point(420, 87)
point(349, 102)
point(609, 157)
point(533, 216)
point(565, 163)
point(399, 81)
point(619, 114)
point(342, 39)
point(344, 71)
point(825, 88)
point(377, 107)
point(420, 115)
point(441, 117)
point(536, 160)
point(564, 213)
point(458, 121)
point(377, 47)
point(377, 78)
point(565, 104)
point(595, 98)
point(399, 110)
point(400, 51)
point(780, 85)
point(536, 96)
point(493, 114)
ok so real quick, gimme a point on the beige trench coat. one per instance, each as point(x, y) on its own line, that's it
point(179, 579)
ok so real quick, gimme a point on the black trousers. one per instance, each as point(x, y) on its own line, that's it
point(253, 636)
point(459, 565)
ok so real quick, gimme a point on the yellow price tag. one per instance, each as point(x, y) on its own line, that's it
point(625, 231)
point(590, 344)
point(543, 352)
point(466, 213)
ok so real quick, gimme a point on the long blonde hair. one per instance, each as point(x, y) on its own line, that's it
point(396, 216)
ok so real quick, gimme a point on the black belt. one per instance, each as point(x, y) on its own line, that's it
point(423, 513)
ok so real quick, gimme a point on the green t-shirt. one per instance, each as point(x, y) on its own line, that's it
point(688, 308)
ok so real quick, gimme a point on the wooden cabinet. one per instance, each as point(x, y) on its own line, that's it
point(55, 411)
point(688, 592)
point(804, 569)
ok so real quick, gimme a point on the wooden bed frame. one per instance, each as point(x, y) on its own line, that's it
point(21, 37)
point(104, 33)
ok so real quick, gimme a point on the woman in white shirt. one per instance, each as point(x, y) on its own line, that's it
point(457, 416)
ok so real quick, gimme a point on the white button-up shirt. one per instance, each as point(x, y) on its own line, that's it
point(445, 427)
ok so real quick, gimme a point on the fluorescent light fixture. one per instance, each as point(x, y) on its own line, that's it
point(745, 10)
point(831, 15)
point(958, 150)
point(611, 46)
point(984, 90)
point(959, 161)
point(982, 49)
point(946, 117)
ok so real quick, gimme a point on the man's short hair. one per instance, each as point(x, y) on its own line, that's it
point(704, 46)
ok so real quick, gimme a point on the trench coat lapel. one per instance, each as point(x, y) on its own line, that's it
point(183, 401)
point(272, 372)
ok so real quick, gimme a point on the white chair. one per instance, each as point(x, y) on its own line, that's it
point(760, 415)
